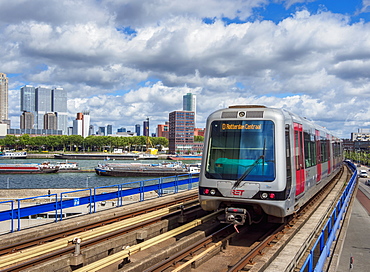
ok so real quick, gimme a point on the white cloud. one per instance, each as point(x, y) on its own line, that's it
point(313, 64)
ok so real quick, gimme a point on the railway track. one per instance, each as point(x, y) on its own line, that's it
point(223, 249)
point(15, 245)
point(30, 253)
point(179, 244)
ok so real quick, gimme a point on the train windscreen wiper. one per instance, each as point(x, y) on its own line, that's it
point(247, 172)
point(250, 168)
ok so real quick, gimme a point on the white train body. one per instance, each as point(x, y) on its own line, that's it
point(260, 160)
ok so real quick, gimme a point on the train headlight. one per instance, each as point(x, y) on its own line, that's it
point(206, 191)
point(212, 191)
point(264, 195)
point(241, 113)
point(272, 195)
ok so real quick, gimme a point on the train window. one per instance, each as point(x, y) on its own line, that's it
point(324, 150)
point(309, 149)
point(241, 149)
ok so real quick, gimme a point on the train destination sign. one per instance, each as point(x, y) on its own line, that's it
point(241, 127)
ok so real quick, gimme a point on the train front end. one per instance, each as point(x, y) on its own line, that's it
point(244, 164)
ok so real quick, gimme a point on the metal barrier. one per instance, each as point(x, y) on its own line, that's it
point(319, 253)
point(178, 183)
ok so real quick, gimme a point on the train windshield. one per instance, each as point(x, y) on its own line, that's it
point(241, 150)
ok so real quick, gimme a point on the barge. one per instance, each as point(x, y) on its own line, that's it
point(105, 157)
point(28, 168)
point(146, 170)
point(186, 157)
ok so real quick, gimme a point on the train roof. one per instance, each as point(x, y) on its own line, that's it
point(288, 114)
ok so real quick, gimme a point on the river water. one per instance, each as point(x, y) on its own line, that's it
point(65, 180)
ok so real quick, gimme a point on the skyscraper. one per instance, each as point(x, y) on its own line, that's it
point(43, 104)
point(27, 120)
point(189, 103)
point(101, 131)
point(146, 127)
point(109, 129)
point(77, 124)
point(59, 106)
point(28, 107)
point(3, 98)
point(137, 129)
point(81, 125)
point(181, 132)
point(50, 121)
point(41, 100)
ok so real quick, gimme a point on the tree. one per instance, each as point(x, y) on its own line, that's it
point(24, 141)
point(198, 138)
point(11, 141)
point(160, 141)
point(75, 141)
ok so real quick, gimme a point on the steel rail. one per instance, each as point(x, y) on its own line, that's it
point(118, 257)
point(15, 247)
point(306, 211)
point(63, 245)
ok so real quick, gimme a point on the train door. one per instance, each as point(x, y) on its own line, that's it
point(328, 146)
point(318, 154)
point(299, 159)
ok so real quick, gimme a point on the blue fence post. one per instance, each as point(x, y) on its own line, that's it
point(19, 215)
point(176, 184)
point(12, 215)
point(93, 200)
point(160, 189)
point(61, 206)
point(56, 208)
point(141, 191)
point(120, 201)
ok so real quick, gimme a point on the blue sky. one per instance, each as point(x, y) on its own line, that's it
point(125, 60)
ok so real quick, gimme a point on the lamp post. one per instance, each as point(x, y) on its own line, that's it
point(87, 182)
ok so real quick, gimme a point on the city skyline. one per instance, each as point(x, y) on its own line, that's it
point(127, 60)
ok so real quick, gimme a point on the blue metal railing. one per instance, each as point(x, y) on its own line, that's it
point(64, 201)
point(317, 257)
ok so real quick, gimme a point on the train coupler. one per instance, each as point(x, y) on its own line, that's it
point(235, 216)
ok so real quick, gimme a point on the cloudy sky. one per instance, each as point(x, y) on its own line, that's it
point(125, 60)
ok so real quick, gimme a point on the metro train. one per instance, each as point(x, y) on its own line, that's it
point(260, 162)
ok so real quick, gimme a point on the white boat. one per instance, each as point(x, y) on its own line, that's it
point(13, 155)
point(67, 165)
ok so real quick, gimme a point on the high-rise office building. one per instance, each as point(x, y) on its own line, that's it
point(109, 129)
point(59, 107)
point(81, 125)
point(27, 120)
point(28, 104)
point(91, 130)
point(86, 124)
point(181, 132)
point(146, 127)
point(77, 125)
point(137, 129)
point(43, 104)
point(50, 121)
point(3, 98)
point(101, 131)
point(41, 100)
point(163, 130)
point(189, 103)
